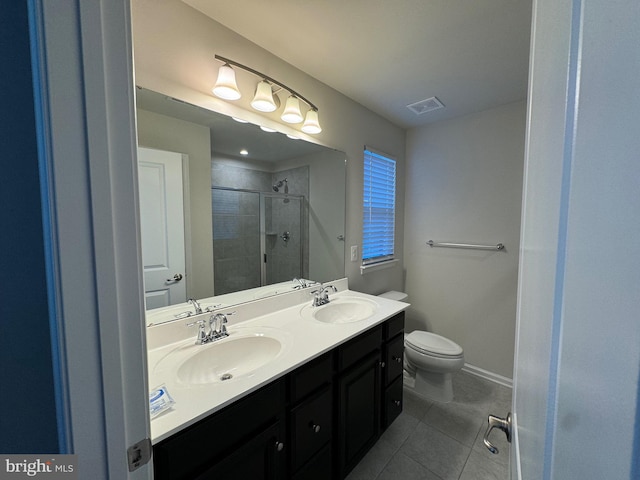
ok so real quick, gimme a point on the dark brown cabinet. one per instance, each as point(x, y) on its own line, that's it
point(245, 440)
point(393, 359)
point(311, 417)
point(315, 423)
point(359, 411)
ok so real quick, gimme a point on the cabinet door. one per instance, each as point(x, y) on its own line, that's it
point(261, 458)
point(359, 411)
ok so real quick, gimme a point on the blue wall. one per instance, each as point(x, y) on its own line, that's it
point(27, 403)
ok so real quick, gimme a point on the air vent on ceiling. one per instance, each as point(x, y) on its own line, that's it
point(424, 106)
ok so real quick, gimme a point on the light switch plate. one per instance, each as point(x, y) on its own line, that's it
point(354, 253)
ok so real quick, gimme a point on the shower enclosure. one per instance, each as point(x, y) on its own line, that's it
point(258, 238)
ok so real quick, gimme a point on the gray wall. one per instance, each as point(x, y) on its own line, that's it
point(464, 184)
point(174, 47)
point(166, 133)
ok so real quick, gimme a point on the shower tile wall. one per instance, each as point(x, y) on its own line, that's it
point(236, 246)
point(236, 240)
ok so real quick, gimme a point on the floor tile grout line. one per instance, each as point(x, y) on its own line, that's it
point(465, 464)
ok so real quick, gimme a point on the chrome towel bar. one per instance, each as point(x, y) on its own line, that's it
point(499, 246)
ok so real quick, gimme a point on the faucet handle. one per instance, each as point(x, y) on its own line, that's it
point(202, 336)
point(219, 329)
point(200, 322)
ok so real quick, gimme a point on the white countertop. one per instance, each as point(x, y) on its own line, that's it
point(302, 338)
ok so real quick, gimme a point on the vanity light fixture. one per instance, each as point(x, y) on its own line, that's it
point(264, 99)
point(292, 112)
point(226, 86)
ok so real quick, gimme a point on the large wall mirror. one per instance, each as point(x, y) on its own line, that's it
point(227, 208)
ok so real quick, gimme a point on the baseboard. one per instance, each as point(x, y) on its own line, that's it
point(487, 375)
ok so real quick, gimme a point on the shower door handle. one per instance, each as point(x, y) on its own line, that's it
point(503, 424)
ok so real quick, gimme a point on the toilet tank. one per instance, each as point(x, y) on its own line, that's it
point(393, 295)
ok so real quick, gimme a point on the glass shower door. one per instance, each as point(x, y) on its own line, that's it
point(285, 238)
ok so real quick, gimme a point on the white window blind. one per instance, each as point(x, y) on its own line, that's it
point(379, 204)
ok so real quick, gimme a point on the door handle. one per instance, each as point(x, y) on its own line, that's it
point(176, 278)
point(503, 424)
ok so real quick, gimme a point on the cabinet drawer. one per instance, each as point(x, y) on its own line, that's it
point(393, 359)
point(394, 326)
point(392, 406)
point(310, 377)
point(358, 348)
point(311, 427)
point(319, 467)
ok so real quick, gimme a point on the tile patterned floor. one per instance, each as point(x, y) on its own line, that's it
point(436, 441)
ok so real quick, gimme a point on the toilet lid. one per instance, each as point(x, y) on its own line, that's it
point(431, 343)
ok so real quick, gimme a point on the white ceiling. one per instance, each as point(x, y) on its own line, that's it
point(386, 54)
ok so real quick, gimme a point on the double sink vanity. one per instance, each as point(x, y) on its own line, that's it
point(290, 390)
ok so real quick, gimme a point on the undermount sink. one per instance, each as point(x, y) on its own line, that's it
point(341, 310)
point(236, 356)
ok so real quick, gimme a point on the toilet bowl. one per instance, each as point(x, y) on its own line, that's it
point(430, 360)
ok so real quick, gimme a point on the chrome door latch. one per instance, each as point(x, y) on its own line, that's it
point(503, 424)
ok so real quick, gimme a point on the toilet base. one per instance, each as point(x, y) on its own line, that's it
point(434, 386)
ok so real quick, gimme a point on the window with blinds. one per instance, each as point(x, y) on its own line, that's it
point(379, 204)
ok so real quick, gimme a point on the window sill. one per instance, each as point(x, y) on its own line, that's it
point(374, 267)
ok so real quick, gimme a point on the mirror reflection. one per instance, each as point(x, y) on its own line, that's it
point(228, 209)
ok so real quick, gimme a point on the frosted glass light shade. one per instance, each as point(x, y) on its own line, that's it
point(263, 100)
point(311, 123)
point(291, 113)
point(226, 86)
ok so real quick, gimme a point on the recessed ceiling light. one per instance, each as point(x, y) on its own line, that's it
point(244, 152)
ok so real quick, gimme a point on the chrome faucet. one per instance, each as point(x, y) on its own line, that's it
point(321, 296)
point(196, 305)
point(217, 328)
point(301, 283)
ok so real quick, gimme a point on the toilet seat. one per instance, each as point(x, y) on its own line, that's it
point(433, 345)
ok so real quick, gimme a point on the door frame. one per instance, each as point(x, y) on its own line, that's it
point(85, 122)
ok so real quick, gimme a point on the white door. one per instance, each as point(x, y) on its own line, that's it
point(162, 227)
point(575, 399)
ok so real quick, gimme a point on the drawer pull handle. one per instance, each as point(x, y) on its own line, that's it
point(397, 403)
point(397, 359)
point(279, 446)
point(315, 427)
point(382, 364)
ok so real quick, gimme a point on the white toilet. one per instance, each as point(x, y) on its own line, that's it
point(430, 361)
